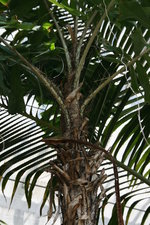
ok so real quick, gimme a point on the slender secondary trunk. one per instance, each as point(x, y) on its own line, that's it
point(80, 188)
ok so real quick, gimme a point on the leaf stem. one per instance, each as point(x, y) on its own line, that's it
point(118, 199)
point(68, 58)
point(82, 61)
point(83, 36)
point(47, 83)
point(54, 141)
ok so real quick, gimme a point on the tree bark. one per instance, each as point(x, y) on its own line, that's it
point(80, 187)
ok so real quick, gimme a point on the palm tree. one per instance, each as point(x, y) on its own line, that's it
point(74, 73)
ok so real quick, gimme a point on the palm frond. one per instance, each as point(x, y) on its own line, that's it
point(22, 152)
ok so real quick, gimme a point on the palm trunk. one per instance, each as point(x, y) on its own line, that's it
point(80, 187)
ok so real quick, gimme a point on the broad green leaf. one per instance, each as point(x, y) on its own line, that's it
point(4, 90)
point(47, 26)
point(133, 10)
point(5, 2)
point(66, 7)
point(145, 3)
point(16, 101)
point(52, 46)
point(25, 26)
point(14, 23)
point(24, 9)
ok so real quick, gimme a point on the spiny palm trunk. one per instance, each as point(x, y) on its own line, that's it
point(80, 187)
